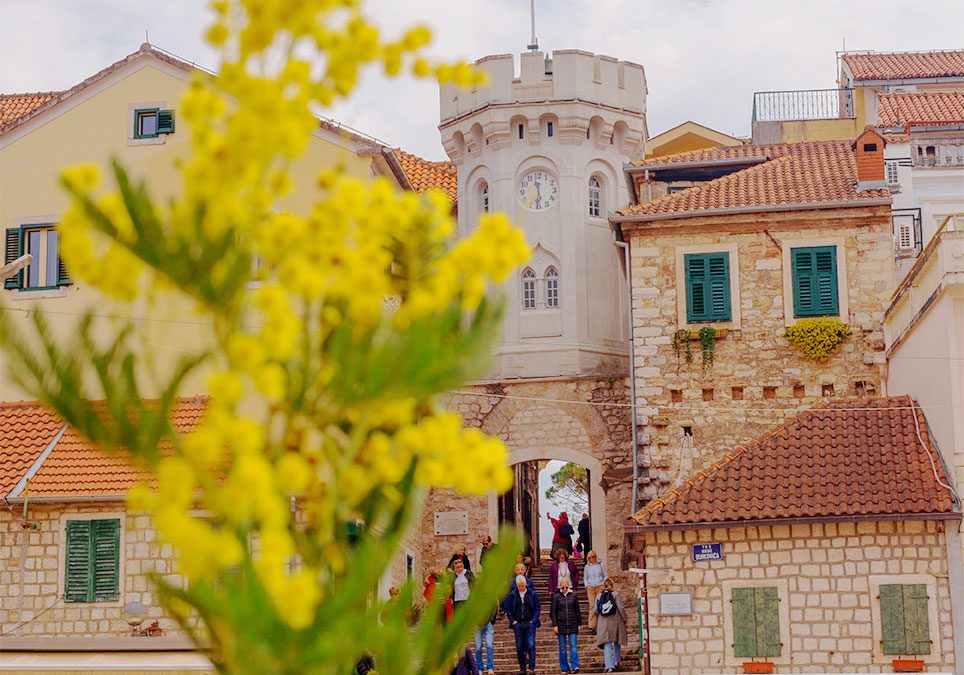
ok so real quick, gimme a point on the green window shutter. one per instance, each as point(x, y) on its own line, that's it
point(106, 559)
point(916, 628)
point(165, 121)
point(892, 619)
point(77, 576)
point(814, 272)
point(744, 622)
point(63, 277)
point(13, 246)
point(707, 286)
point(767, 609)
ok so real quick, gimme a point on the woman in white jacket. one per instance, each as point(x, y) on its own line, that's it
point(594, 575)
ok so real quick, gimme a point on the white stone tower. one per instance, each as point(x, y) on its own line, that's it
point(548, 148)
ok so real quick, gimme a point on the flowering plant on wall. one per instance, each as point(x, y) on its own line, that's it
point(819, 338)
point(324, 367)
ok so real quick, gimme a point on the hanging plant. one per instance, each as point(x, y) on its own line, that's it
point(817, 339)
point(682, 338)
point(707, 344)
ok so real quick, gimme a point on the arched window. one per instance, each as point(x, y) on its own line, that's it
point(484, 197)
point(552, 287)
point(595, 197)
point(528, 289)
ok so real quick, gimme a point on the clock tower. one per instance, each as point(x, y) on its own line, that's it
point(547, 146)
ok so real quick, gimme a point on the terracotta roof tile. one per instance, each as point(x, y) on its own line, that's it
point(424, 174)
point(793, 173)
point(848, 457)
point(74, 467)
point(906, 65)
point(927, 107)
point(15, 106)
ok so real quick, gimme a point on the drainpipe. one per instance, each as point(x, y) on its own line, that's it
point(649, 197)
point(955, 579)
point(632, 364)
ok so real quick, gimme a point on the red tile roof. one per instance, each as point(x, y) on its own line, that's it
point(424, 174)
point(793, 173)
point(844, 458)
point(73, 467)
point(921, 107)
point(15, 106)
point(906, 65)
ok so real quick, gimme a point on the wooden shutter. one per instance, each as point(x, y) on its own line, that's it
point(77, 577)
point(767, 610)
point(916, 626)
point(165, 121)
point(744, 622)
point(12, 252)
point(892, 619)
point(106, 559)
point(707, 287)
point(63, 276)
point(814, 272)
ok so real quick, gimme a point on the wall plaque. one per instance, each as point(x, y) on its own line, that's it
point(675, 604)
point(704, 552)
point(451, 523)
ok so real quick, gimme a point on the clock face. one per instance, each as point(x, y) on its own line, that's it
point(538, 190)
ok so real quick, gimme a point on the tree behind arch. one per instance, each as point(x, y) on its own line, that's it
point(570, 484)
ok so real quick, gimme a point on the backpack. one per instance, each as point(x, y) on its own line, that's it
point(606, 603)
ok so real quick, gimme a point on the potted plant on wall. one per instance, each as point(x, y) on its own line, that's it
point(905, 665)
point(757, 666)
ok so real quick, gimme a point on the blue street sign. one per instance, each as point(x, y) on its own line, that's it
point(704, 552)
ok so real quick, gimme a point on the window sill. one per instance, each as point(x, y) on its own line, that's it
point(39, 293)
point(157, 140)
point(694, 330)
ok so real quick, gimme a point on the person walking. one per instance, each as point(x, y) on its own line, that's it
point(561, 533)
point(461, 584)
point(562, 568)
point(594, 574)
point(486, 634)
point(585, 533)
point(611, 625)
point(522, 609)
point(463, 556)
point(487, 547)
point(566, 617)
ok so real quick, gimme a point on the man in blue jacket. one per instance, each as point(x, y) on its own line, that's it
point(522, 609)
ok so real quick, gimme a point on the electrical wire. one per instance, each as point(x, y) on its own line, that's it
point(33, 618)
point(927, 451)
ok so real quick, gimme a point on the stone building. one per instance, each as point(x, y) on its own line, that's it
point(818, 547)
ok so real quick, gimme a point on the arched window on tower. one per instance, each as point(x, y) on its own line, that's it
point(483, 197)
point(595, 197)
point(528, 289)
point(552, 287)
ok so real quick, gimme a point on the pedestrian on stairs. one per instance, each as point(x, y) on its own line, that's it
point(594, 574)
point(611, 625)
point(461, 584)
point(566, 617)
point(522, 608)
point(562, 533)
point(563, 568)
point(487, 634)
point(585, 532)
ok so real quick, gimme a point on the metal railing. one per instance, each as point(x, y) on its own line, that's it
point(803, 104)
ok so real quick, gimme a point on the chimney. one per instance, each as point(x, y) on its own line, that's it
point(869, 150)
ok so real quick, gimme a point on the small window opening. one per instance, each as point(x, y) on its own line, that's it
point(737, 393)
point(707, 394)
point(587, 133)
point(549, 129)
point(484, 197)
point(595, 197)
point(870, 147)
point(676, 395)
point(552, 287)
point(826, 390)
point(688, 432)
point(769, 392)
point(522, 131)
point(528, 289)
point(799, 391)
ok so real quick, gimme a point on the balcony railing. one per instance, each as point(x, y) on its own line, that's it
point(804, 104)
point(937, 152)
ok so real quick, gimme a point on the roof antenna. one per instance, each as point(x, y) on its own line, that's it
point(147, 38)
point(534, 41)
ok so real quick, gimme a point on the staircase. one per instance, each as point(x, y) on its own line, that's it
point(547, 646)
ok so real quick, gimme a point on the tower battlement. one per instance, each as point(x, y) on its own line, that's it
point(569, 75)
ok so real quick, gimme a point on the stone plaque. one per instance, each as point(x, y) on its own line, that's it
point(675, 604)
point(451, 523)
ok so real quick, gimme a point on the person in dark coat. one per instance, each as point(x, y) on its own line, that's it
point(566, 617)
point(561, 533)
point(562, 568)
point(585, 532)
point(522, 609)
point(460, 555)
point(487, 547)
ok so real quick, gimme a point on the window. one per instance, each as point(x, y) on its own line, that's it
point(707, 287)
point(409, 566)
point(153, 122)
point(528, 289)
point(814, 273)
point(47, 269)
point(905, 236)
point(484, 197)
point(92, 561)
point(549, 129)
point(522, 133)
point(904, 619)
point(892, 174)
point(870, 147)
point(595, 197)
point(552, 287)
point(673, 189)
point(756, 622)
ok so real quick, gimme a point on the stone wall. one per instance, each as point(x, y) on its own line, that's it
point(756, 380)
point(31, 577)
point(828, 574)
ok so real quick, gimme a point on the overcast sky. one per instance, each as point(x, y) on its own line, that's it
point(703, 58)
